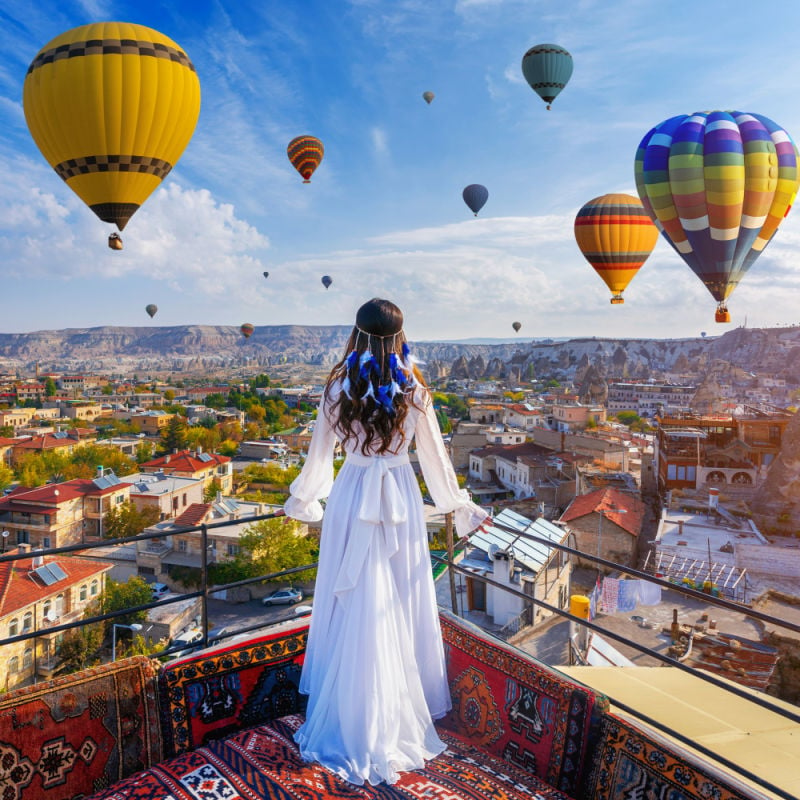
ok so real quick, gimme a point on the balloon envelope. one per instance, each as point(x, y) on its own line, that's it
point(516, 326)
point(717, 184)
point(615, 235)
point(266, 274)
point(428, 97)
point(151, 309)
point(547, 68)
point(247, 330)
point(112, 106)
point(305, 153)
point(327, 281)
point(475, 196)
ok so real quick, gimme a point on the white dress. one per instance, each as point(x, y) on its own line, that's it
point(374, 666)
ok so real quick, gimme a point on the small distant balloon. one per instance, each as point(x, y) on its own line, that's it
point(475, 196)
point(115, 241)
point(516, 326)
point(703, 334)
point(305, 153)
point(547, 68)
point(428, 97)
point(247, 330)
point(151, 309)
point(327, 281)
point(266, 274)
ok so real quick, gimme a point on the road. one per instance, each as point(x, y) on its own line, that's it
point(241, 615)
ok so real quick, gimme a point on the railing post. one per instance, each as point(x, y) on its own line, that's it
point(204, 581)
point(448, 529)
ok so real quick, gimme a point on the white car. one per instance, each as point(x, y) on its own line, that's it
point(283, 597)
point(159, 590)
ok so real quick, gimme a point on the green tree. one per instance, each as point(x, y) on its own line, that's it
point(228, 448)
point(118, 596)
point(108, 456)
point(107, 390)
point(173, 437)
point(6, 476)
point(144, 452)
point(445, 426)
point(260, 381)
point(628, 417)
point(6, 431)
point(169, 396)
point(272, 474)
point(215, 400)
point(49, 387)
point(210, 491)
point(78, 648)
point(126, 520)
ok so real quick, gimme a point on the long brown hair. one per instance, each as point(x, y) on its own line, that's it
point(377, 379)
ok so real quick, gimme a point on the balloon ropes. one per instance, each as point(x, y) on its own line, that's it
point(112, 106)
point(718, 184)
point(475, 196)
point(615, 235)
point(305, 153)
point(547, 68)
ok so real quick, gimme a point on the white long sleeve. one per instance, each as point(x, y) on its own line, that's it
point(440, 477)
point(316, 478)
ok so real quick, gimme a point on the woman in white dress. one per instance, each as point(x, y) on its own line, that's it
point(374, 667)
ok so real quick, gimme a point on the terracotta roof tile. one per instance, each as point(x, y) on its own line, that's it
point(603, 499)
point(194, 515)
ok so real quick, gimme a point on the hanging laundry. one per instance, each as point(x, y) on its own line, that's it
point(610, 596)
point(628, 595)
point(649, 593)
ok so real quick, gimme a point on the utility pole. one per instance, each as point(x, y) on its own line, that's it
point(448, 529)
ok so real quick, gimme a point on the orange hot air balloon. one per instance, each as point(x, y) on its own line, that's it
point(305, 153)
point(615, 235)
point(247, 330)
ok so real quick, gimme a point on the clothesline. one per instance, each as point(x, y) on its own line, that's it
point(615, 594)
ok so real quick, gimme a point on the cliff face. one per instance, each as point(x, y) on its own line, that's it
point(125, 350)
point(779, 495)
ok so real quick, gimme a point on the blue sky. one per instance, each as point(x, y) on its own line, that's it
point(383, 214)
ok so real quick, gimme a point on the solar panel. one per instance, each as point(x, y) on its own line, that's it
point(57, 571)
point(205, 457)
point(49, 574)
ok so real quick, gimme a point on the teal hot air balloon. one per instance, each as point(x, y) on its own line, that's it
point(547, 68)
point(475, 196)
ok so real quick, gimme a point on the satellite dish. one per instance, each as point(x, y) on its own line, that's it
point(494, 549)
point(51, 616)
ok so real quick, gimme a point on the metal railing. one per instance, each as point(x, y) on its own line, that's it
point(204, 592)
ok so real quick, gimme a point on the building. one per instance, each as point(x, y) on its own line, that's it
point(65, 442)
point(262, 449)
point(170, 495)
point(213, 469)
point(606, 450)
point(151, 423)
point(499, 551)
point(60, 514)
point(649, 399)
point(606, 523)
point(35, 594)
point(576, 416)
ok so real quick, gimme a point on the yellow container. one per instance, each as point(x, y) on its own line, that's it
point(579, 606)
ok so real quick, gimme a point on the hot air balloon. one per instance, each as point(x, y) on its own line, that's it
point(475, 196)
point(112, 106)
point(151, 309)
point(616, 236)
point(305, 153)
point(428, 97)
point(247, 330)
point(115, 241)
point(547, 68)
point(266, 274)
point(718, 184)
point(327, 281)
point(516, 326)
point(703, 334)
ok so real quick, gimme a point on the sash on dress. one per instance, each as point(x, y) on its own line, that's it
point(382, 509)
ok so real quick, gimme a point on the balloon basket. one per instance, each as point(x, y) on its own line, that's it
point(722, 316)
point(617, 299)
point(115, 241)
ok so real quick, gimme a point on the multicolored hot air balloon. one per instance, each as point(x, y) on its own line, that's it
point(428, 97)
point(305, 153)
point(112, 106)
point(547, 68)
point(616, 236)
point(475, 196)
point(151, 309)
point(326, 281)
point(718, 184)
point(516, 326)
point(247, 330)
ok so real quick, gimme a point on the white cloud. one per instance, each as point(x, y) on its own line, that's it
point(380, 140)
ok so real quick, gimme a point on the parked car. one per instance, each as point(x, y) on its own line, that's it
point(302, 611)
point(159, 590)
point(283, 597)
point(189, 639)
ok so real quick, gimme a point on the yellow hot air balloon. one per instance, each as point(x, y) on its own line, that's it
point(112, 106)
point(616, 236)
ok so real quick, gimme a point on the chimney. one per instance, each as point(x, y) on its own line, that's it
point(199, 449)
point(38, 558)
point(22, 547)
point(99, 470)
point(713, 497)
point(680, 527)
point(167, 458)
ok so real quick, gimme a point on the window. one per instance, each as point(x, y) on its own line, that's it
point(182, 545)
point(95, 588)
point(59, 605)
point(13, 665)
point(27, 658)
point(174, 503)
point(233, 549)
point(46, 609)
point(13, 627)
point(23, 538)
point(45, 542)
point(27, 621)
point(82, 593)
point(184, 499)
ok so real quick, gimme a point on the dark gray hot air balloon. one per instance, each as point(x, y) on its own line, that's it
point(428, 97)
point(151, 309)
point(327, 281)
point(516, 326)
point(266, 274)
point(475, 196)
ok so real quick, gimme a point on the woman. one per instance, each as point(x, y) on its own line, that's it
point(374, 668)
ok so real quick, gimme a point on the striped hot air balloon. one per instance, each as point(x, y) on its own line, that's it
point(305, 153)
point(615, 235)
point(112, 106)
point(247, 330)
point(547, 68)
point(718, 184)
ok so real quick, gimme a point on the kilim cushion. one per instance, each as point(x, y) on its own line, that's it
point(510, 705)
point(264, 764)
point(212, 694)
point(630, 763)
point(75, 735)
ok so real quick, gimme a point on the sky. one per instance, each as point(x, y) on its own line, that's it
point(383, 215)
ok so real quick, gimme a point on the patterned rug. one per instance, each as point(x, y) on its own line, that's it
point(212, 695)
point(515, 708)
point(78, 734)
point(630, 764)
point(264, 764)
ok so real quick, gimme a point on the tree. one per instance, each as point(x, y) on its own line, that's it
point(6, 476)
point(628, 417)
point(173, 437)
point(49, 387)
point(126, 520)
point(445, 426)
point(108, 456)
point(118, 596)
point(228, 448)
point(169, 396)
point(215, 400)
point(210, 491)
point(6, 431)
point(107, 390)
point(79, 647)
point(144, 452)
